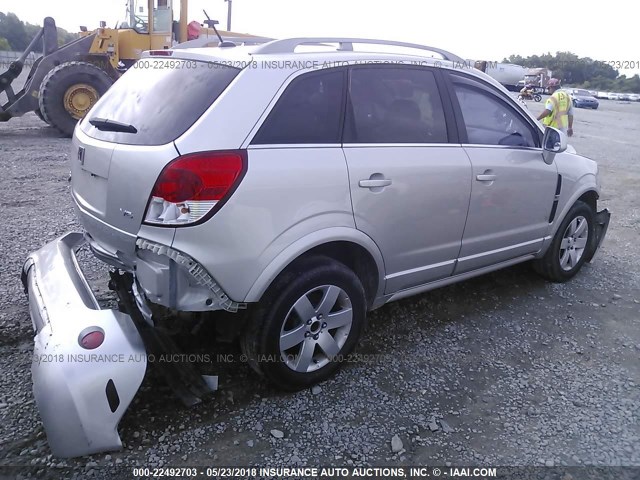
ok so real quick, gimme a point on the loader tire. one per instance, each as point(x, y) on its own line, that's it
point(39, 114)
point(69, 91)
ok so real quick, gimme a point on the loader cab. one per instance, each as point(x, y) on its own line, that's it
point(137, 16)
point(147, 25)
point(67, 80)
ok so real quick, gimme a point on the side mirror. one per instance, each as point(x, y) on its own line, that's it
point(554, 141)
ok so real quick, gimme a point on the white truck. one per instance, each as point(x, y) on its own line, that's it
point(508, 74)
point(538, 77)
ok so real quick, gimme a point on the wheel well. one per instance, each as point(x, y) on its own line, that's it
point(355, 257)
point(591, 199)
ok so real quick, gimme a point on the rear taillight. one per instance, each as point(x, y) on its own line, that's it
point(194, 186)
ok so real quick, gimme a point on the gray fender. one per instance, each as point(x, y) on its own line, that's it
point(586, 183)
point(306, 243)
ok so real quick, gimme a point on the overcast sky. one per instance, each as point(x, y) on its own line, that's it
point(489, 30)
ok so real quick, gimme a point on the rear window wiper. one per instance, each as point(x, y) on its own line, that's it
point(106, 125)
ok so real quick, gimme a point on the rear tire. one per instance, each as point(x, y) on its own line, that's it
point(69, 91)
point(287, 337)
point(570, 245)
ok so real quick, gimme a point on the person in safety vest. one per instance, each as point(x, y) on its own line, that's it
point(558, 109)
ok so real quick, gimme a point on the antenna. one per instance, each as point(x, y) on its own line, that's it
point(212, 24)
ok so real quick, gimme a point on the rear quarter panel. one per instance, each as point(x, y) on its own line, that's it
point(225, 126)
point(285, 195)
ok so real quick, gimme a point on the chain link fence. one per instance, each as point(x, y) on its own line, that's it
point(6, 57)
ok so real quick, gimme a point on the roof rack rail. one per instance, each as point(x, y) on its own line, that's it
point(213, 41)
point(288, 45)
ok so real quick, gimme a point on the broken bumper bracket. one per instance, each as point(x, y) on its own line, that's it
point(182, 376)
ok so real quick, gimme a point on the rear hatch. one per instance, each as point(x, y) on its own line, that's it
point(125, 141)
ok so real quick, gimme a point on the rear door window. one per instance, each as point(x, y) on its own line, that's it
point(394, 105)
point(160, 98)
point(309, 111)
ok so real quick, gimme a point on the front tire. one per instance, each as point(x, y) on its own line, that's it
point(568, 250)
point(69, 91)
point(309, 320)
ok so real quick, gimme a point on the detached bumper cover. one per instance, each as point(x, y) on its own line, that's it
point(81, 394)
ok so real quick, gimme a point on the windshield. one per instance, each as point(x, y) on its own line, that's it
point(582, 93)
point(157, 100)
point(136, 16)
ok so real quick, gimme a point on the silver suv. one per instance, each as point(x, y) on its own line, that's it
point(300, 186)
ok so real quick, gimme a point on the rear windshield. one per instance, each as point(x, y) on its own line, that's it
point(160, 98)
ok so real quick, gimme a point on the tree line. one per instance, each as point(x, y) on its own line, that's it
point(16, 34)
point(582, 72)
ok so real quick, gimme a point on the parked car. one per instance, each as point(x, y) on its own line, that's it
point(298, 191)
point(624, 97)
point(583, 99)
point(634, 97)
point(613, 96)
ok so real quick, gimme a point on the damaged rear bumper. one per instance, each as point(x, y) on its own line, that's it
point(81, 393)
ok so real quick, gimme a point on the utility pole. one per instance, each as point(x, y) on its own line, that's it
point(228, 15)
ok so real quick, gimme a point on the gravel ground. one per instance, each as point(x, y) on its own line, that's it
point(506, 369)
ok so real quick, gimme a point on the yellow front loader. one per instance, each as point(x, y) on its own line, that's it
point(66, 81)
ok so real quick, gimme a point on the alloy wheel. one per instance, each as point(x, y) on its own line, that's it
point(574, 243)
point(316, 328)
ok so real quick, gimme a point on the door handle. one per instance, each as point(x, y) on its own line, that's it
point(486, 178)
point(381, 182)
